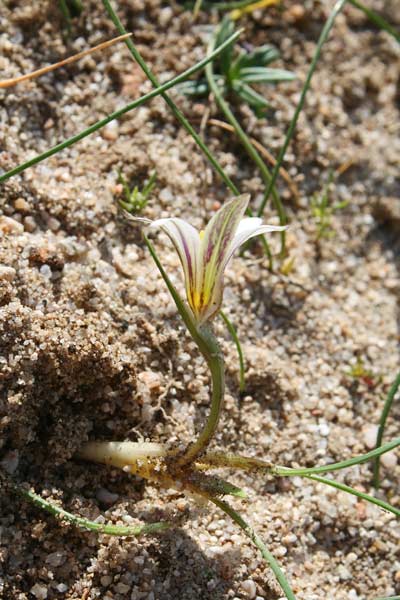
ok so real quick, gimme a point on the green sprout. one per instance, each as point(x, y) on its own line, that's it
point(239, 71)
point(322, 209)
point(136, 199)
point(358, 371)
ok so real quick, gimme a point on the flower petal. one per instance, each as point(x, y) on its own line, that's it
point(248, 228)
point(217, 239)
point(186, 241)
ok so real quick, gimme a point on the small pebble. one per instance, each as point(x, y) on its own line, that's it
point(7, 273)
point(249, 588)
point(55, 559)
point(106, 497)
point(389, 460)
point(29, 224)
point(8, 225)
point(110, 131)
point(39, 591)
point(369, 435)
point(10, 462)
point(21, 205)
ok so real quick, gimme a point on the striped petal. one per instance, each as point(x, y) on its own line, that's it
point(186, 241)
point(217, 239)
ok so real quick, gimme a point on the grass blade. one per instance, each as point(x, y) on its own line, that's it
point(115, 530)
point(5, 83)
point(356, 460)
point(377, 20)
point(362, 495)
point(257, 541)
point(322, 39)
point(382, 423)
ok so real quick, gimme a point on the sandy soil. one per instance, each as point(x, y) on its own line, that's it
point(91, 346)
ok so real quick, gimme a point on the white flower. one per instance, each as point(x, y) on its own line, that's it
point(204, 255)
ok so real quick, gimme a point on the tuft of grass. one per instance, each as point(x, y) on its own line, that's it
point(135, 199)
point(236, 71)
point(322, 209)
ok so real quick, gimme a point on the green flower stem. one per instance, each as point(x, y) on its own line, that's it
point(248, 146)
point(378, 20)
point(178, 114)
point(209, 348)
point(382, 423)
point(257, 541)
point(350, 490)
point(116, 530)
point(322, 39)
point(234, 336)
point(118, 113)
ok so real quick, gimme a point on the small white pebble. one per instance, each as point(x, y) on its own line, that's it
point(369, 435)
point(389, 460)
point(249, 588)
point(110, 131)
point(45, 271)
point(39, 591)
point(324, 429)
point(8, 225)
point(61, 587)
point(7, 273)
point(53, 224)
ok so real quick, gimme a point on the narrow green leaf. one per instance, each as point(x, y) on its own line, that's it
point(224, 32)
point(194, 88)
point(265, 75)
point(377, 20)
point(109, 529)
point(259, 57)
point(251, 97)
point(354, 492)
point(257, 541)
point(350, 462)
point(290, 132)
point(382, 423)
